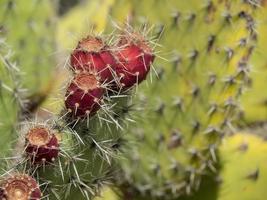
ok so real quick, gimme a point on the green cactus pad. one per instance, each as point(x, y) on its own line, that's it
point(11, 98)
point(254, 101)
point(194, 98)
point(242, 174)
point(29, 28)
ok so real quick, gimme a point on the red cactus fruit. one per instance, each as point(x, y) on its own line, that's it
point(92, 55)
point(83, 96)
point(134, 56)
point(20, 187)
point(2, 194)
point(41, 145)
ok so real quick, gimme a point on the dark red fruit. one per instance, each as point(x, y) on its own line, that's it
point(83, 96)
point(134, 58)
point(20, 187)
point(2, 194)
point(41, 145)
point(92, 55)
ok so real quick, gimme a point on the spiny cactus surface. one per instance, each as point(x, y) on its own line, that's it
point(29, 28)
point(194, 97)
point(11, 98)
point(254, 99)
point(243, 173)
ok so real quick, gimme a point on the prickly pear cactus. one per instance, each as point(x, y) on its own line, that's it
point(255, 99)
point(72, 153)
point(108, 193)
point(194, 96)
point(29, 28)
point(243, 172)
point(11, 97)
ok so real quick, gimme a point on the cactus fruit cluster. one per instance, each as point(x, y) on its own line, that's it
point(72, 153)
point(173, 146)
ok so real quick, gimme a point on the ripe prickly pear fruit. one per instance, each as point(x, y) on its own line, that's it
point(2, 195)
point(135, 57)
point(83, 96)
point(20, 186)
point(41, 145)
point(92, 55)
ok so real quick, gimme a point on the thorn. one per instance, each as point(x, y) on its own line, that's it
point(229, 53)
point(243, 147)
point(254, 175)
point(211, 41)
point(193, 55)
point(228, 18)
point(160, 72)
point(192, 17)
point(175, 140)
point(196, 126)
point(195, 92)
point(156, 169)
point(212, 79)
point(177, 62)
point(178, 103)
point(160, 138)
point(160, 108)
point(159, 31)
point(176, 16)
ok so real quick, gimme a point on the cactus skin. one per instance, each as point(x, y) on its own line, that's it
point(11, 98)
point(194, 100)
point(28, 27)
point(107, 194)
point(243, 172)
point(254, 100)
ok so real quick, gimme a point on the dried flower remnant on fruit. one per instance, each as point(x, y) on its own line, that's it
point(41, 145)
point(20, 187)
point(93, 55)
point(83, 95)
